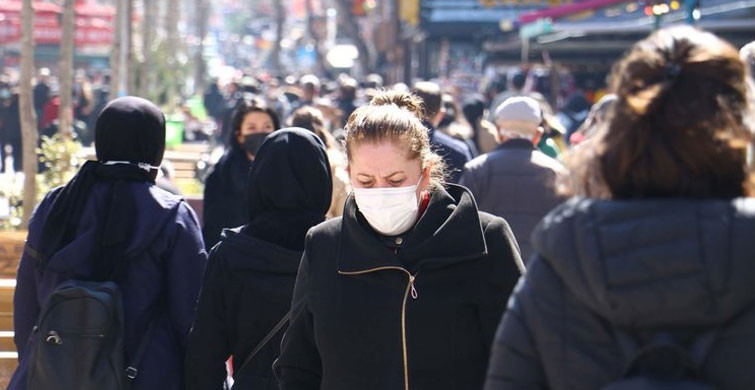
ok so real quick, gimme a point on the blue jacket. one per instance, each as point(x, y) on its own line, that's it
point(164, 280)
point(682, 267)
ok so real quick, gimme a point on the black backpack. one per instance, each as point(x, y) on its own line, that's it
point(78, 342)
point(664, 363)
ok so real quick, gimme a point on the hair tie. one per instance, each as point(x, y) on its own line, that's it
point(672, 71)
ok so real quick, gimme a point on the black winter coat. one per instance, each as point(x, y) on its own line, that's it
point(367, 316)
point(678, 266)
point(225, 195)
point(247, 290)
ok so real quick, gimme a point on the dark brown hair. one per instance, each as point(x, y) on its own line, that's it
point(395, 116)
point(312, 119)
point(248, 105)
point(431, 97)
point(677, 128)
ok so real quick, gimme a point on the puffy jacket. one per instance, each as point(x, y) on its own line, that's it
point(247, 290)
point(638, 267)
point(516, 182)
point(162, 285)
point(416, 311)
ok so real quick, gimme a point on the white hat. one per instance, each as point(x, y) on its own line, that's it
point(519, 114)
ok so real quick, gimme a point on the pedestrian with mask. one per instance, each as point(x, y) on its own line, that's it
point(402, 291)
point(225, 190)
point(644, 279)
point(250, 278)
point(112, 210)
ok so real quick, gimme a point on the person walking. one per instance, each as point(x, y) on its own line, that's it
point(312, 119)
point(406, 289)
point(112, 209)
point(10, 129)
point(645, 277)
point(225, 190)
point(250, 278)
point(516, 181)
point(455, 153)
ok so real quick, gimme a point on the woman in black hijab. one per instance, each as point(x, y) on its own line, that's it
point(250, 278)
point(225, 190)
point(112, 210)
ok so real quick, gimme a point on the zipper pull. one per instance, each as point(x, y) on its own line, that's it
point(413, 290)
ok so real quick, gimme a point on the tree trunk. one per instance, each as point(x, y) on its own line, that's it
point(202, 16)
point(148, 34)
point(353, 31)
point(172, 17)
point(280, 20)
point(171, 85)
point(115, 54)
point(28, 116)
point(397, 47)
point(129, 72)
point(316, 41)
point(65, 113)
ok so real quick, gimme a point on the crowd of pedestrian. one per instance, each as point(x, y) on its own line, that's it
point(371, 236)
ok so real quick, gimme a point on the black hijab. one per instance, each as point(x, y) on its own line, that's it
point(129, 131)
point(289, 187)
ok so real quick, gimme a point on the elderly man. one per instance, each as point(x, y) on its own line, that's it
point(516, 181)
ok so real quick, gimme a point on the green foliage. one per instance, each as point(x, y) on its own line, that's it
point(59, 155)
point(171, 67)
point(190, 187)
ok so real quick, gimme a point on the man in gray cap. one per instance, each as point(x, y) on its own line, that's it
point(516, 181)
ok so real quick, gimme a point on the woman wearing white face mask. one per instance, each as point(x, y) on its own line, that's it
point(407, 289)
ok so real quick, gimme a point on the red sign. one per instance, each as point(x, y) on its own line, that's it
point(93, 23)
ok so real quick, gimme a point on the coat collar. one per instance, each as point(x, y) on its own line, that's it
point(517, 143)
point(447, 233)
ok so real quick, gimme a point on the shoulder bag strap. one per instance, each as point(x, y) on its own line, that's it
point(265, 340)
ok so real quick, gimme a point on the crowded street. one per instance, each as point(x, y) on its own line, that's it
point(369, 194)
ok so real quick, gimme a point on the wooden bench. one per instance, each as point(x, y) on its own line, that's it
point(8, 355)
point(11, 248)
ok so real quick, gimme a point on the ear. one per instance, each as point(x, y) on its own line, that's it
point(425, 180)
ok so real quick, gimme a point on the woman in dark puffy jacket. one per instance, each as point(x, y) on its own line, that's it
point(656, 254)
point(406, 289)
point(225, 190)
point(250, 277)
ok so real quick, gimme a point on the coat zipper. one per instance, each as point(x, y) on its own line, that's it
point(410, 290)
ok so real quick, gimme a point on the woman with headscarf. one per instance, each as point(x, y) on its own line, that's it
point(250, 278)
point(311, 118)
point(225, 189)
point(112, 209)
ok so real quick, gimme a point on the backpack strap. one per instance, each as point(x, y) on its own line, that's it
point(265, 340)
point(132, 371)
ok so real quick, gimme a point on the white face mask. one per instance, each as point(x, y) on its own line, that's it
point(144, 166)
point(390, 211)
